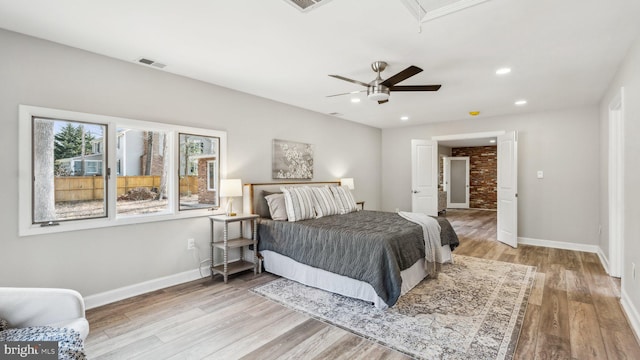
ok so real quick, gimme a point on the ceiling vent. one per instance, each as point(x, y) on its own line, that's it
point(150, 62)
point(306, 5)
point(425, 10)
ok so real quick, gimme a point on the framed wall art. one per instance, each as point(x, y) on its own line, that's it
point(292, 160)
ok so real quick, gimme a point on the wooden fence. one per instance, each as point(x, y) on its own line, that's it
point(83, 188)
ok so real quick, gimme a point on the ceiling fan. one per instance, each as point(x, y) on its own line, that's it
point(379, 89)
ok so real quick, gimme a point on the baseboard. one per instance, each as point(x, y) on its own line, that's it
point(603, 260)
point(122, 293)
point(632, 313)
point(561, 245)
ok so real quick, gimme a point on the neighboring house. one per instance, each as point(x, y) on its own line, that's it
point(74, 166)
point(132, 147)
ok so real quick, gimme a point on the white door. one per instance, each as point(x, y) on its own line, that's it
point(424, 176)
point(457, 182)
point(508, 189)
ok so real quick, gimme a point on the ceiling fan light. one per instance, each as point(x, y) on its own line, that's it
point(378, 93)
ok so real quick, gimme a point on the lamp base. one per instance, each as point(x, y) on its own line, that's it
point(229, 208)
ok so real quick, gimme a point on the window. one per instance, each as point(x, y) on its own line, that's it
point(198, 167)
point(67, 160)
point(67, 175)
point(142, 187)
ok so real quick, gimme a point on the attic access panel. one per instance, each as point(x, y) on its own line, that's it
point(425, 10)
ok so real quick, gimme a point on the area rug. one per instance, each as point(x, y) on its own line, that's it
point(473, 310)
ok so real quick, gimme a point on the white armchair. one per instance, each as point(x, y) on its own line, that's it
point(23, 307)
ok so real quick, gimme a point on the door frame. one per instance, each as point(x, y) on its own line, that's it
point(616, 185)
point(480, 135)
point(447, 181)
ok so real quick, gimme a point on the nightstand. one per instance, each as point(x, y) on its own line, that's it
point(361, 203)
point(227, 268)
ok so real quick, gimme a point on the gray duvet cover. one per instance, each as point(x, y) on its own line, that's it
point(370, 246)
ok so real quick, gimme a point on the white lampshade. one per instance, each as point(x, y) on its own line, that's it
point(230, 187)
point(348, 182)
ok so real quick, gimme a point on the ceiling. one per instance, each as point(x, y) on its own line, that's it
point(562, 53)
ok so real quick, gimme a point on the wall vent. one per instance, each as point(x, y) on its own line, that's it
point(150, 62)
point(306, 5)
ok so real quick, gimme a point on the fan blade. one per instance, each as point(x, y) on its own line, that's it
point(350, 80)
point(401, 76)
point(349, 93)
point(415, 88)
point(383, 101)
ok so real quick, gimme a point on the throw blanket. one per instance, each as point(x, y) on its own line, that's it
point(432, 247)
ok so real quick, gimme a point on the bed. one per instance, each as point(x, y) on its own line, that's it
point(370, 255)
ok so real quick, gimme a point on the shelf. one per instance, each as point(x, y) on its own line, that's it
point(235, 243)
point(233, 267)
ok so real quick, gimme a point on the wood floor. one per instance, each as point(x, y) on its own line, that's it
point(573, 313)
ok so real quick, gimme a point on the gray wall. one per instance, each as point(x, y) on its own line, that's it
point(564, 144)
point(628, 77)
point(41, 73)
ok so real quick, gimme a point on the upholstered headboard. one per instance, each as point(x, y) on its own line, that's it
point(253, 194)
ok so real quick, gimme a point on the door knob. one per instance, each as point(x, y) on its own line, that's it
point(415, 191)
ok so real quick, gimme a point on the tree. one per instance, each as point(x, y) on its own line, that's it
point(43, 185)
point(69, 143)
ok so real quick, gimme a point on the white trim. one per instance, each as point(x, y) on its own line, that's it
point(631, 312)
point(478, 135)
point(107, 297)
point(560, 245)
point(604, 261)
point(616, 184)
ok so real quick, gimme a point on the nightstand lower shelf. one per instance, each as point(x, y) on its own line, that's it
point(233, 267)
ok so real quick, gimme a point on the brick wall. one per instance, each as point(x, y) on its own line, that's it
point(204, 195)
point(483, 175)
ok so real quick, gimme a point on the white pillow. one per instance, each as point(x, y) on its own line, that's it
point(299, 203)
point(324, 202)
point(277, 207)
point(344, 199)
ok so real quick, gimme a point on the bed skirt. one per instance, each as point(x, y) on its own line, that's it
point(288, 268)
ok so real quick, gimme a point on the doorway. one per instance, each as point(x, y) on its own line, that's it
point(507, 218)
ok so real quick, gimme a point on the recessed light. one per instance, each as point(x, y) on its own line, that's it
point(493, 141)
point(503, 71)
point(404, 118)
point(355, 100)
point(521, 102)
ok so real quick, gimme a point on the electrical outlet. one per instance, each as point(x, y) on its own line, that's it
point(191, 244)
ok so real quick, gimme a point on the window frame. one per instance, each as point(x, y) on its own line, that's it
point(25, 170)
point(216, 177)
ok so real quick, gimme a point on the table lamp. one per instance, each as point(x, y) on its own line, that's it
point(229, 188)
point(348, 182)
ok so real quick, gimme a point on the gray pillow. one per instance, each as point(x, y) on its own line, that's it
point(277, 206)
point(262, 208)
